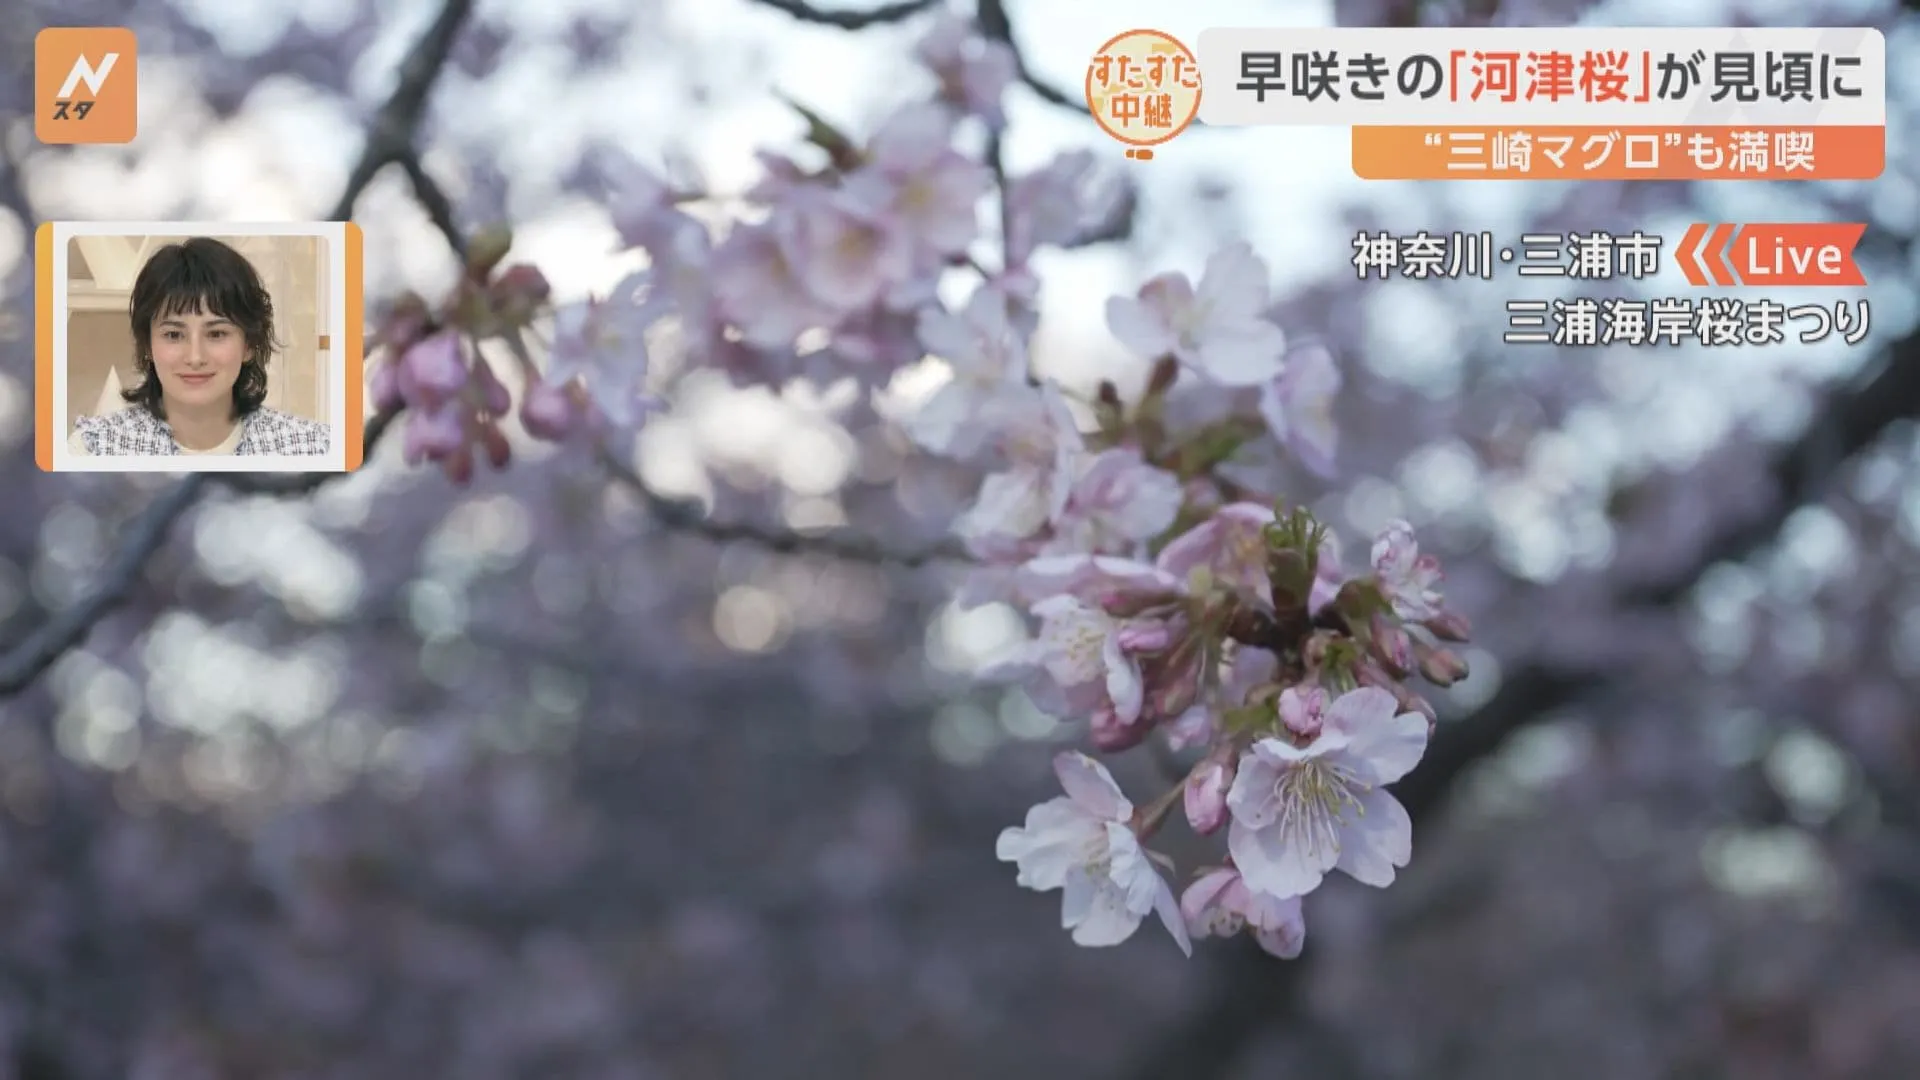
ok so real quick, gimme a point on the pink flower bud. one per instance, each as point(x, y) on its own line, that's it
point(1206, 791)
point(1391, 644)
point(1145, 637)
point(385, 388)
point(404, 324)
point(493, 392)
point(519, 290)
point(1442, 667)
point(1303, 710)
point(547, 412)
point(494, 441)
point(433, 370)
point(1450, 626)
point(433, 434)
point(459, 465)
point(1368, 672)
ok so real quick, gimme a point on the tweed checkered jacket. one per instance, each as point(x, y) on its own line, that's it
point(137, 432)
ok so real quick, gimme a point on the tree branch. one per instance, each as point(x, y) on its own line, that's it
point(849, 20)
point(69, 627)
point(390, 140)
point(690, 517)
point(995, 24)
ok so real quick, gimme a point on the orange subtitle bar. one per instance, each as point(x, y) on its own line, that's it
point(1539, 152)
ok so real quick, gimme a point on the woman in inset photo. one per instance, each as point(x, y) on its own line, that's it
point(203, 337)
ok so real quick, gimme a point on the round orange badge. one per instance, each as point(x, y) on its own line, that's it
point(1143, 88)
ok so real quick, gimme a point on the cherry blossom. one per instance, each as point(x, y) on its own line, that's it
point(1301, 811)
point(1231, 546)
point(1410, 580)
point(1218, 329)
point(1298, 406)
point(1084, 843)
point(1220, 904)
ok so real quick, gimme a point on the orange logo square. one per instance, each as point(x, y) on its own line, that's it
point(85, 85)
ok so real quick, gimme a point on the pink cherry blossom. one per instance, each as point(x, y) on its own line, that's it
point(1042, 447)
point(931, 191)
point(1116, 505)
point(603, 343)
point(1219, 904)
point(844, 247)
point(1061, 203)
point(988, 358)
point(1410, 580)
point(1083, 843)
point(973, 72)
point(1231, 546)
point(1298, 407)
point(1219, 329)
point(762, 292)
point(1300, 812)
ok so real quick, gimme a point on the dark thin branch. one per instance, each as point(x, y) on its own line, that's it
point(849, 20)
point(142, 537)
point(439, 208)
point(390, 137)
point(690, 517)
point(996, 26)
point(390, 140)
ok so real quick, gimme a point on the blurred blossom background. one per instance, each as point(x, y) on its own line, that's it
point(394, 778)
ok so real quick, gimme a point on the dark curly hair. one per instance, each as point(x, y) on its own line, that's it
point(202, 274)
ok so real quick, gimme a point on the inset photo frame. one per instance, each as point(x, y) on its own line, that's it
point(178, 346)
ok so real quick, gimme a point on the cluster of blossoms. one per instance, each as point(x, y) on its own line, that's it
point(1173, 602)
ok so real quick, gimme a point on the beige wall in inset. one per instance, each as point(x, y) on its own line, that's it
point(100, 274)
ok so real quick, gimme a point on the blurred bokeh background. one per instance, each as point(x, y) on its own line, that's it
point(390, 778)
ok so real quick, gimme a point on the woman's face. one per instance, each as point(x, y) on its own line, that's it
point(197, 356)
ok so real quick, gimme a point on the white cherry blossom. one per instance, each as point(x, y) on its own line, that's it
point(1083, 843)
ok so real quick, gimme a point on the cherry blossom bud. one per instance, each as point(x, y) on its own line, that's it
point(1450, 626)
point(1149, 637)
point(1391, 645)
point(432, 433)
point(548, 412)
point(433, 370)
point(494, 441)
point(494, 396)
point(385, 388)
point(518, 292)
point(1303, 710)
point(459, 465)
point(1442, 667)
point(486, 249)
point(1206, 790)
point(404, 324)
point(1368, 672)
